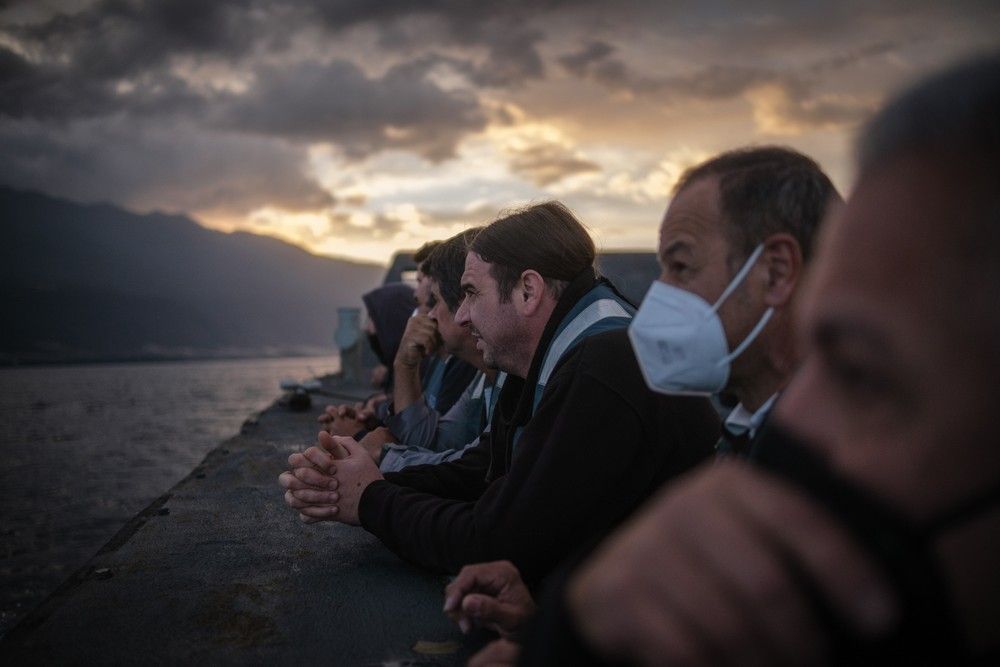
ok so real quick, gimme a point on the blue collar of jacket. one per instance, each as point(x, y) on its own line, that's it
point(599, 310)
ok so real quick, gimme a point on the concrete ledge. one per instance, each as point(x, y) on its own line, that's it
point(219, 570)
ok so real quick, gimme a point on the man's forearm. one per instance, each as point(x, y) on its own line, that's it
point(398, 457)
point(406, 386)
point(434, 532)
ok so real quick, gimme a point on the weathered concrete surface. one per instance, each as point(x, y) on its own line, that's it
point(219, 570)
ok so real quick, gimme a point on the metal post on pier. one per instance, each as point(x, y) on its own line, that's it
point(349, 341)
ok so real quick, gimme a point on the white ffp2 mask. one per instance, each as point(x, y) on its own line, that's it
point(679, 340)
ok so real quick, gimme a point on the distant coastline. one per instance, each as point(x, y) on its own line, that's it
point(97, 283)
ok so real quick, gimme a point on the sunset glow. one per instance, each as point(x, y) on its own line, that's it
point(364, 128)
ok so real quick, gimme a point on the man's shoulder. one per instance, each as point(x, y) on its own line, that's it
point(605, 346)
point(612, 338)
point(605, 357)
point(608, 358)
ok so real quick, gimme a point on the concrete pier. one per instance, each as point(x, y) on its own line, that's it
point(218, 570)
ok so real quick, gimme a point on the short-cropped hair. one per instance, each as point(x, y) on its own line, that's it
point(767, 190)
point(446, 264)
point(423, 253)
point(545, 237)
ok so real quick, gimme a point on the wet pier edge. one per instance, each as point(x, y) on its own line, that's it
point(219, 570)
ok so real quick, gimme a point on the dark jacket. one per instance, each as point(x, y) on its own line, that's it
point(551, 636)
point(598, 444)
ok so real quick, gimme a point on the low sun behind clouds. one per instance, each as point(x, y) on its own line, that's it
point(358, 128)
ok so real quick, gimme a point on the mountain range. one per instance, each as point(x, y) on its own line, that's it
point(95, 282)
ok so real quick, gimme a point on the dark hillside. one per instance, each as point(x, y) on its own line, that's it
point(98, 282)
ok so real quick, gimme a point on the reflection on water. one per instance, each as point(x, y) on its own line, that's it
point(84, 448)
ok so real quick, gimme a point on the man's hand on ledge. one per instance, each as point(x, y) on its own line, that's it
point(326, 481)
point(312, 486)
point(347, 425)
point(333, 412)
point(354, 471)
point(491, 595)
point(375, 440)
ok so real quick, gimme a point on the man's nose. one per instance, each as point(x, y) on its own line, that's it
point(462, 314)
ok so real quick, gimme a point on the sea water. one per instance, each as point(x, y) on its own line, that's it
point(85, 448)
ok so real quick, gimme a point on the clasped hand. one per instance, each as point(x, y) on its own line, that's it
point(349, 419)
point(326, 481)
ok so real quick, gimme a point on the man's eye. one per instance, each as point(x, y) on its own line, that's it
point(431, 301)
point(860, 382)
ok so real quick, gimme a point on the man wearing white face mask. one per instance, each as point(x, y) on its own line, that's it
point(733, 245)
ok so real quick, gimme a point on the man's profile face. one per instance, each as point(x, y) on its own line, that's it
point(890, 388)
point(695, 255)
point(456, 338)
point(493, 324)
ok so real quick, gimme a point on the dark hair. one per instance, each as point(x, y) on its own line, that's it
point(424, 252)
point(953, 114)
point(446, 264)
point(953, 120)
point(545, 237)
point(766, 190)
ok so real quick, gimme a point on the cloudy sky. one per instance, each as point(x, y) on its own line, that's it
point(354, 128)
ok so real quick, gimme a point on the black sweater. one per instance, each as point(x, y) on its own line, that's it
point(598, 444)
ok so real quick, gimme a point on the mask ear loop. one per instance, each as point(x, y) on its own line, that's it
point(765, 318)
point(739, 277)
point(733, 284)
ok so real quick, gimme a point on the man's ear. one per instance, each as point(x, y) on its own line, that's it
point(782, 261)
point(529, 292)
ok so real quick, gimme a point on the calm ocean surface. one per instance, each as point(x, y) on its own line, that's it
point(84, 448)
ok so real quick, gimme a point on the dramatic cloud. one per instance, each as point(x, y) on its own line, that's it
point(117, 38)
point(177, 167)
point(338, 103)
point(358, 127)
point(783, 102)
point(779, 111)
point(504, 36)
point(596, 61)
point(471, 216)
point(549, 162)
point(59, 92)
point(351, 225)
